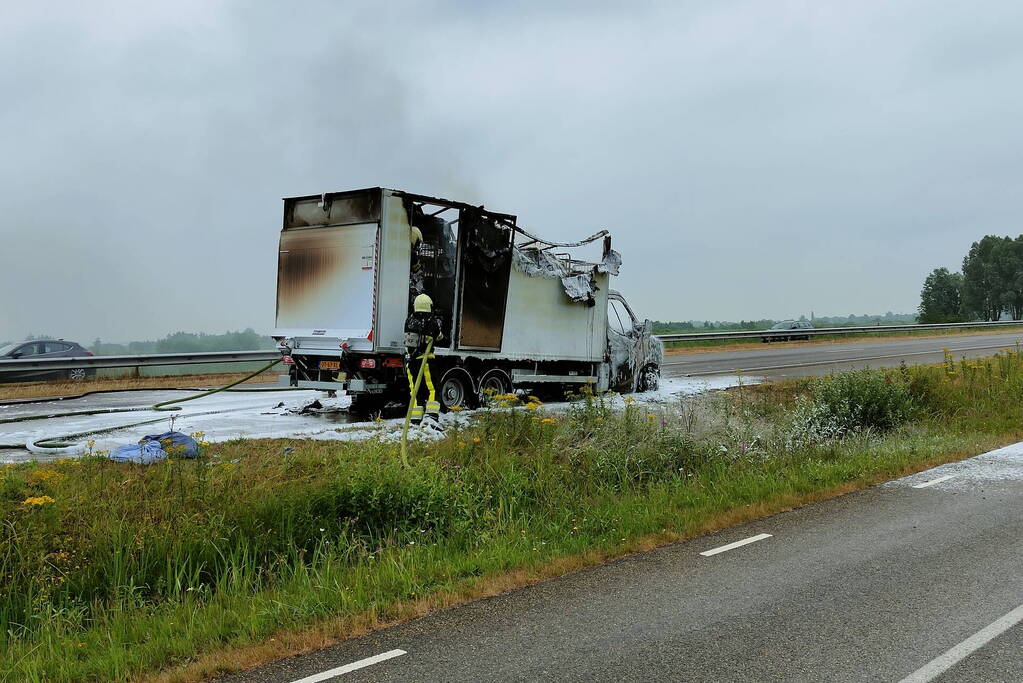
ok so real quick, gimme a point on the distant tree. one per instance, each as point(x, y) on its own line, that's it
point(1009, 265)
point(984, 286)
point(941, 297)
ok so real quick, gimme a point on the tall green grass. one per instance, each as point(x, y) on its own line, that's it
point(110, 570)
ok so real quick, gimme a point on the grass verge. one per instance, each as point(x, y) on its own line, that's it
point(259, 549)
point(711, 345)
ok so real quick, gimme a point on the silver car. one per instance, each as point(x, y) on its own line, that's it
point(792, 325)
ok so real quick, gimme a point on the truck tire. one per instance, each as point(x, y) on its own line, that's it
point(455, 389)
point(494, 383)
point(649, 379)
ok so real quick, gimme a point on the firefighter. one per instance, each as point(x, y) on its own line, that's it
point(422, 327)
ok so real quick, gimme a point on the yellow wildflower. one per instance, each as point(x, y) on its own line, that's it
point(455, 409)
point(44, 476)
point(548, 421)
point(38, 500)
point(476, 439)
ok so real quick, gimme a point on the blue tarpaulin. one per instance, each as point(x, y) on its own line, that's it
point(157, 447)
point(175, 443)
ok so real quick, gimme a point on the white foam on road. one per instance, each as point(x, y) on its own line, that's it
point(256, 415)
point(1001, 465)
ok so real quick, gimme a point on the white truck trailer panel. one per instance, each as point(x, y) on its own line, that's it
point(542, 323)
point(392, 292)
point(326, 282)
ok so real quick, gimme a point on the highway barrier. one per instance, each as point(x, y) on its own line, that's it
point(821, 331)
point(135, 361)
point(158, 359)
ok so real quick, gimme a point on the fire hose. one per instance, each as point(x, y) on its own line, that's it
point(58, 445)
point(412, 401)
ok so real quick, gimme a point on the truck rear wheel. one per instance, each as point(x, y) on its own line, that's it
point(455, 389)
point(494, 383)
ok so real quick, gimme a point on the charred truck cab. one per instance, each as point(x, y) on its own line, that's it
point(516, 311)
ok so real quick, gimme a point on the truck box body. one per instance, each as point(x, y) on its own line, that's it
point(510, 306)
point(542, 323)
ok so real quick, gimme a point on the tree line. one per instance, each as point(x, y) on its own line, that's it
point(189, 342)
point(851, 320)
point(179, 342)
point(989, 285)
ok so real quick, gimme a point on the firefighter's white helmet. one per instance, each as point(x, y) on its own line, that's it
point(422, 304)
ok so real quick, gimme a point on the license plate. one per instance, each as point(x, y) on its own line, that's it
point(330, 365)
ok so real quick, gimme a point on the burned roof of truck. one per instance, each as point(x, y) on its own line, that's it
point(363, 205)
point(370, 207)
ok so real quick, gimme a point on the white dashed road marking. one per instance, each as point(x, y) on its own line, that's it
point(737, 544)
point(932, 482)
point(347, 668)
point(944, 662)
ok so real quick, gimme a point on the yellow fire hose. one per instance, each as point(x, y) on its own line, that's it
point(412, 400)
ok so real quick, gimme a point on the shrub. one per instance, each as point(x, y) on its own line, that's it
point(851, 402)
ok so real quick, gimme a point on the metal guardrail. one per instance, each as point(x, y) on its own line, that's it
point(157, 359)
point(820, 331)
point(140, 360)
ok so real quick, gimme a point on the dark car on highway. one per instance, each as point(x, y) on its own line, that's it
point(44, 348)
point(793, 325)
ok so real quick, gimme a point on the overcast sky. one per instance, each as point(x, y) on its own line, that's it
point(752, 159)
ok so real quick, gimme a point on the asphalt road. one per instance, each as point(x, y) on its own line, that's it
point(873, 586)
point(817, 359)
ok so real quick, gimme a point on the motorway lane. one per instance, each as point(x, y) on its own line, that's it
point(867, 587)
point(818, 359)
point(114, 399)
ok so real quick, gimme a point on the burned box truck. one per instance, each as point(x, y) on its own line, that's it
point(516, 311)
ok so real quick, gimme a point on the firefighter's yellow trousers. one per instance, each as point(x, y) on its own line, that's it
point(432, 406)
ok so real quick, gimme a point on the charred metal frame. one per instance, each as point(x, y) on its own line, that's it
point(438, 206)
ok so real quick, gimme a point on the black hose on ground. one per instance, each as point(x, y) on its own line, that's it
point(163, 405)
point(72, 397)
point(58, 444)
